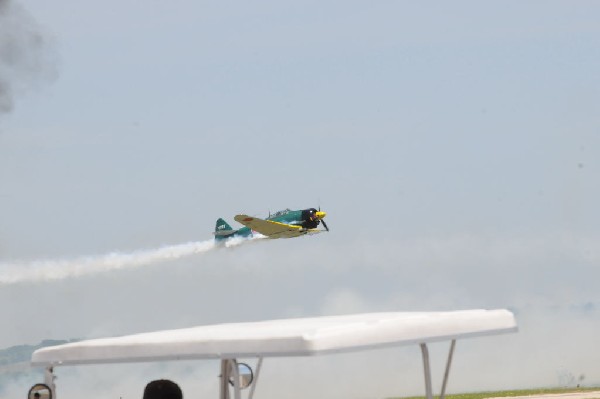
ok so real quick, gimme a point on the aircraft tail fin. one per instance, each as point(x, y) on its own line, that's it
point(222, 228)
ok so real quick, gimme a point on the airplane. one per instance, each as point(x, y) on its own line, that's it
point(282, 224)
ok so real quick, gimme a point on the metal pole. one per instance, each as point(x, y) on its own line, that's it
point(256, 373)
point(49, 378)
point(427, 371)
point(223, 387)
point(447, 372)
point(235, 374)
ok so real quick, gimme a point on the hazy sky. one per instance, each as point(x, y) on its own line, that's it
point(454, 145)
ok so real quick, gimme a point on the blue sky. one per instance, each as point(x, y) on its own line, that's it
point(453, 117)
point(455, 147)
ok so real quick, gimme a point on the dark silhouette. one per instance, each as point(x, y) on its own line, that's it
point(162, 389)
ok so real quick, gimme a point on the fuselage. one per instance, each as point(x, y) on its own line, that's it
point(306, 218)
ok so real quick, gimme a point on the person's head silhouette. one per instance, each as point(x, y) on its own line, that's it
point(162, 389)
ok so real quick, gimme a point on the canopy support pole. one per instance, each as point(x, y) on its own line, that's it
point(235, 375)
point(427, 371)
point(229, 372)
point(256, 374)
point(223, 386)
point(447, 372)
point(49, 378)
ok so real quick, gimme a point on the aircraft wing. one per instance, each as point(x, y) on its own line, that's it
point(271, 228)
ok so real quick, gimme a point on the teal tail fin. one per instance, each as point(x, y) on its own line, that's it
point(223, 229)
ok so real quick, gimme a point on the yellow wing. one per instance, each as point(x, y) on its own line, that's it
point(272, 229)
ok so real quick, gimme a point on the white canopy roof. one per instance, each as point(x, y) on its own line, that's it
point(290, 337)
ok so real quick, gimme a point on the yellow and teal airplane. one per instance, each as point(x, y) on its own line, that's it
point(282, 224)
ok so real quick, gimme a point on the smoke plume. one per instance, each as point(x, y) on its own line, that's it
point(25, 54)
point(59, 269)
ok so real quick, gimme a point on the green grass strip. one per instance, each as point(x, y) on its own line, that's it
point(509, 393)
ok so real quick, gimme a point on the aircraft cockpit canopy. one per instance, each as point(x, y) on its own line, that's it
point(281, 213)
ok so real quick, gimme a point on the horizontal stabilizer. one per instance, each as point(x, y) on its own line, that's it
point(224, 232)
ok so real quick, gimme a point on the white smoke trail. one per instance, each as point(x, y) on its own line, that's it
point(58, 269)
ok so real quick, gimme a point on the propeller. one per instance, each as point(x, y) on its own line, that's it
point(322, 220)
